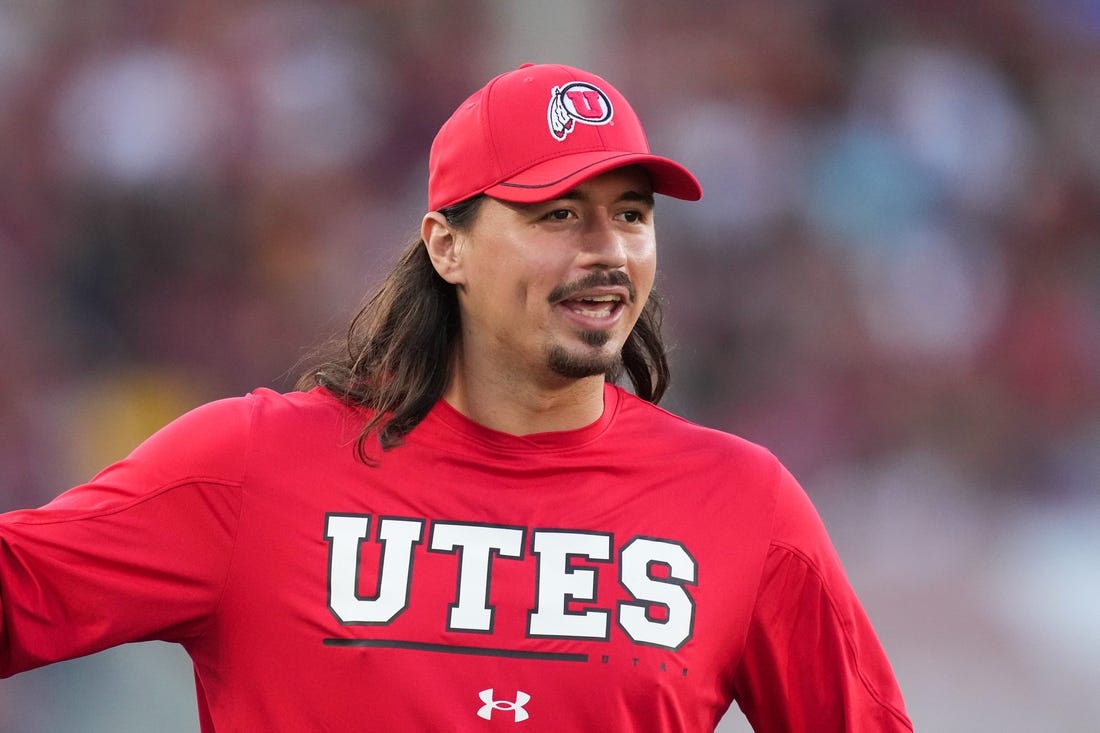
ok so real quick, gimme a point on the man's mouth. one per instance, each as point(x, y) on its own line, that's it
point(594, 306)
point(596, 288)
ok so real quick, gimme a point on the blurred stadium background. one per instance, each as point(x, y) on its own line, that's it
point(893, 280)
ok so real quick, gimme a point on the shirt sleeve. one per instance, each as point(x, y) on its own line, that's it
point(812, 661)
point(141, 552)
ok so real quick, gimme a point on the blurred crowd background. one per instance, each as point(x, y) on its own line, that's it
point(893, 280)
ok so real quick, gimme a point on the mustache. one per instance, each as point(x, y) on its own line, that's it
point(597, 279)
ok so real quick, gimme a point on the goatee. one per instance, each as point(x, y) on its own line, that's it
point(578, 366)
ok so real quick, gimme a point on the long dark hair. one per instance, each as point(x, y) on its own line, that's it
point(396, 358)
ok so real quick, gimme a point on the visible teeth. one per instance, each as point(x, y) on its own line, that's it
point(601, 313)
point(595, 306)
point(599, 306)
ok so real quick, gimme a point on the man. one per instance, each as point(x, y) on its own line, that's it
point(460, 522)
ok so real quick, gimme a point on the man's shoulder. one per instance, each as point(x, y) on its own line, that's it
point(655, 423)
point(227, 423)
point(269, 404)
point(316, 412)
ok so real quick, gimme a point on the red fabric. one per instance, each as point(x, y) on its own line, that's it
point(636, 574)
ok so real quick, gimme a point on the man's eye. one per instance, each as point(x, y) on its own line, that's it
point(633, 217)
point(559, 214)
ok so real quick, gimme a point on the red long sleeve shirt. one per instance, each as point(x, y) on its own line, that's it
point(638, 574)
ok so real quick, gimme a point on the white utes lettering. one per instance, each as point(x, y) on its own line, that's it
point(654, 572)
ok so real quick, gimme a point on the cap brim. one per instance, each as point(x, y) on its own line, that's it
point(551, 178)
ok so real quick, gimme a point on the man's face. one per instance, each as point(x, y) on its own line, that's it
point(552, 290)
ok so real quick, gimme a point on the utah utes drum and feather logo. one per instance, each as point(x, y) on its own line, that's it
point(575, 102)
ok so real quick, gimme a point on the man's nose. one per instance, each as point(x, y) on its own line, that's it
point(604, 244)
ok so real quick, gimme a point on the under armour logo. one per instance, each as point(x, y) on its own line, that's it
point(486, 711)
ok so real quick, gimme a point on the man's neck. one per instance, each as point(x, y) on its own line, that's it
point(522, 407)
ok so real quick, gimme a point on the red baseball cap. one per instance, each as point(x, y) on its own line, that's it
point(534, 133)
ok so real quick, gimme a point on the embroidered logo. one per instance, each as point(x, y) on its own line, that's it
point(575, 102)
point(516, 708)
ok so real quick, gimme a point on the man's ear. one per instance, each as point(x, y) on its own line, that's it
point(442, 243)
